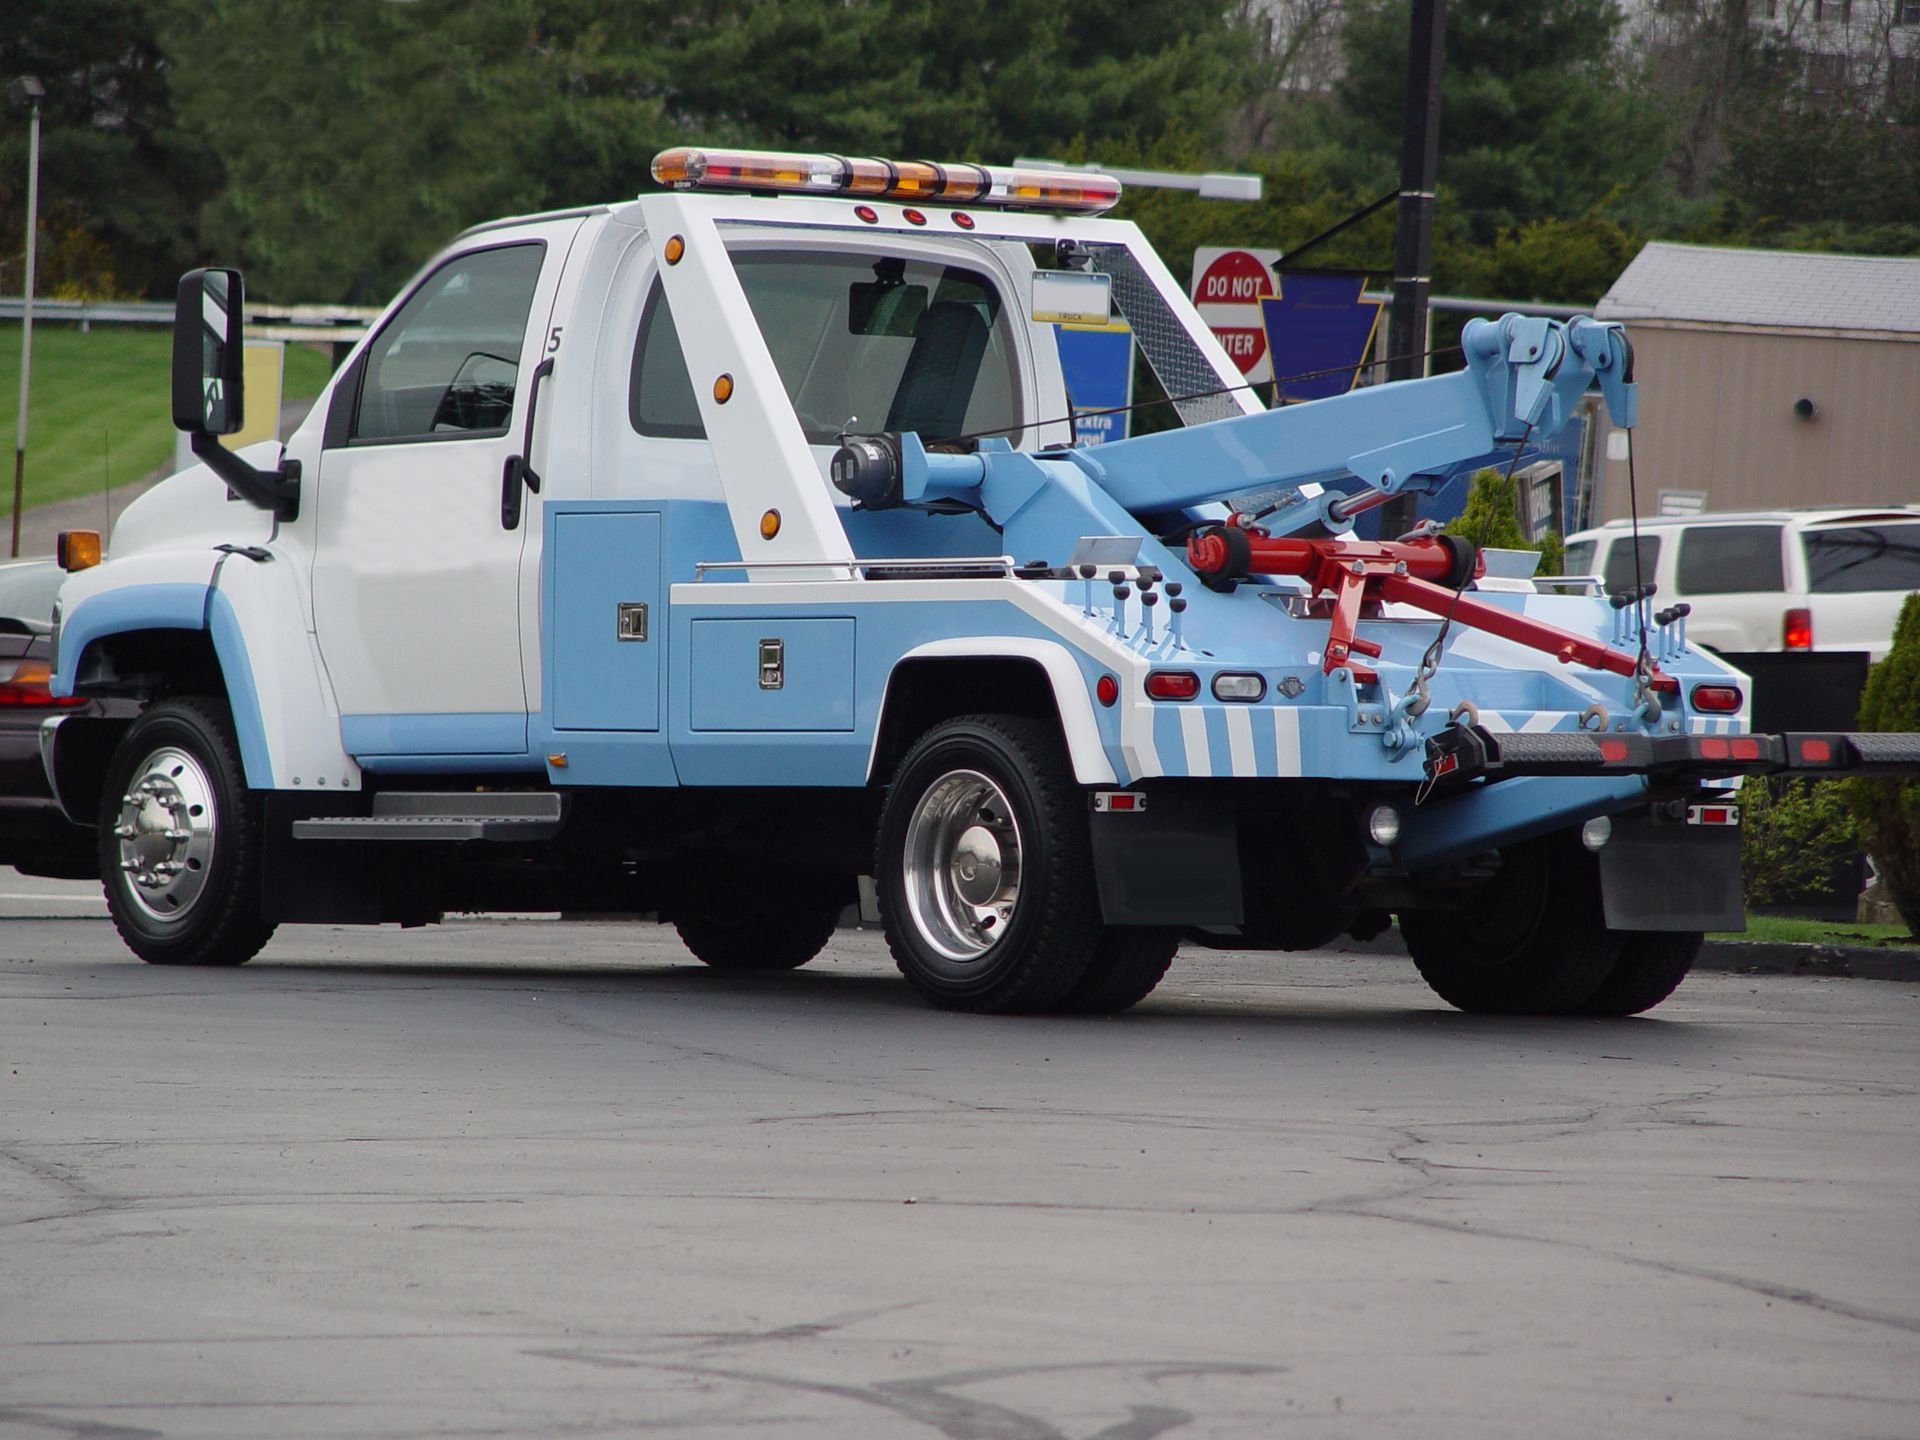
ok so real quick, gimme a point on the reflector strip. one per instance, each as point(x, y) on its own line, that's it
point(1106, 801)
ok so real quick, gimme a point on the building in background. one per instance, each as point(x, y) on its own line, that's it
point(1768, 378)
point(1866, 51)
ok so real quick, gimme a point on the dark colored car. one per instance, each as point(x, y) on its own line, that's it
point(35, 837)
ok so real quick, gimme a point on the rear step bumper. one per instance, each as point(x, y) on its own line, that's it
point(1469, 752)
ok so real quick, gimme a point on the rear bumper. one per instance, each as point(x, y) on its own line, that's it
point(36, 837)
point(1461, 754)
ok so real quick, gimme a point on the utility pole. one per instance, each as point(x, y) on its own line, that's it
point(29, 91)
point(1413, 246)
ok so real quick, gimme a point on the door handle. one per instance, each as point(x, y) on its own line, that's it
point(518, 472)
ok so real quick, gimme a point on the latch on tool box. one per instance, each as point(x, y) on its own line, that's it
point(773, 664)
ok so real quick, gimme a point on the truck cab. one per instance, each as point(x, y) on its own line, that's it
point(708, 553)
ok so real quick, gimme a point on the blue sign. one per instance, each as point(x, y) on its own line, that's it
point(1318, 327)
point(1098, 365)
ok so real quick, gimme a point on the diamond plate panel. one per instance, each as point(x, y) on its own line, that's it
point(1177, 362)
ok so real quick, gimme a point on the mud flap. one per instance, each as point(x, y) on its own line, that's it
point(1165, 855)
point(1671, 876)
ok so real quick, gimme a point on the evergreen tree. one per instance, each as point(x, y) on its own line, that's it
point(407, 122)
point(120, 185)
point(1537, 118)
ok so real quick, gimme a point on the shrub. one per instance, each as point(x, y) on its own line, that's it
point(1491, 519)
point(1491, 516)
point(1791, 832)
point(1889, 809)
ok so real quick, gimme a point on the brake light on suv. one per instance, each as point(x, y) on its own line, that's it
point(1796, 630)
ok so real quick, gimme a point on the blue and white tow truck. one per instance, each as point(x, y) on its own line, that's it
point(704, 553)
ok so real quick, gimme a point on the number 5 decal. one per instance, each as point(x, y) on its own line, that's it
point(553, 339)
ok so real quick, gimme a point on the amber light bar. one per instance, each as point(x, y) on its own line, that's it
point(1007, 187)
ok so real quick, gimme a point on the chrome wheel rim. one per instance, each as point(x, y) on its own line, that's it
point(166, 835)
point(962, 865)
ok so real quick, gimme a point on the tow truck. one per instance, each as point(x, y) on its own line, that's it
point(703, 554)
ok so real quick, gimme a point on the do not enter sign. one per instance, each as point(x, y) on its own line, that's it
point(1227, 288)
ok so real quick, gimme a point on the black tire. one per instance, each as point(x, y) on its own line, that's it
point(178, 769)
point(1651, 966)
point(988, 947)
point(757, 934)
point(1531, 941)
point(1128, 963)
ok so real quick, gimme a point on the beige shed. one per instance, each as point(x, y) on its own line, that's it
point(1768, 378)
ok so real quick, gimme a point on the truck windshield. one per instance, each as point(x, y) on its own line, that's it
point(861, 343)
point(1863, 557)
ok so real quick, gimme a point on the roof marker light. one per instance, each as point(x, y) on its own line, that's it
point(688, 168)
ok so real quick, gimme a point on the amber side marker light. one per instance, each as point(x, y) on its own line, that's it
point(723, 389)
point(77, 549)
point(769, 524)
point(674, 249)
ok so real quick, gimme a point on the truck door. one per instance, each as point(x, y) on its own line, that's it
point(416, 571)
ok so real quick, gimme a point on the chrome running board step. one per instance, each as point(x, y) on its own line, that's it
point(433, 815)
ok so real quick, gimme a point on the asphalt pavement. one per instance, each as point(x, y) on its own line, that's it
point(530, 1179)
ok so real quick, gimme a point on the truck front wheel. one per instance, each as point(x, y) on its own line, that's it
point(180, 839)
point(1530, 941)
point(984, 868)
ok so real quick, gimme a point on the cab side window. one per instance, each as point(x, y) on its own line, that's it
point(446, 365)
point(862, 342)
point(660, 397)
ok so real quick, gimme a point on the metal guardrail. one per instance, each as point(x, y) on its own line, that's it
point(306, 324)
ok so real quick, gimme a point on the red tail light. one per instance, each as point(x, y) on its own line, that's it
point(1796, 630)
point(27, 683)
point(1722, 699)
point(1173, 684)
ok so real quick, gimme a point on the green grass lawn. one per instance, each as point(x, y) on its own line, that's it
point(99, 413)
point(1796, 930)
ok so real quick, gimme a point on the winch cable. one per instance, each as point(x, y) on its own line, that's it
point(1430, 662)
point(1643, 665)
point(1182, 399)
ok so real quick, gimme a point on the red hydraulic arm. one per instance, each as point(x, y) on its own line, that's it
point(1424, 573)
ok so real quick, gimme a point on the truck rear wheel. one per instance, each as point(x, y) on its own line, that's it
point(984, 870)
point(755, 933)
point(1651, 966)
point(180, 839)
point(1130, 961)
point(1530, 941)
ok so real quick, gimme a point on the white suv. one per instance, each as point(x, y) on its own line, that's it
point(1764, 580)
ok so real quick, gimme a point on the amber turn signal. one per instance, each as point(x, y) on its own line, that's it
point(77, 549)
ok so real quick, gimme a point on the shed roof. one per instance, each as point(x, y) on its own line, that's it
point(1771, 289)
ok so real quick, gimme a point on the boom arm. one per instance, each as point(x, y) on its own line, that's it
point(1523, 380)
